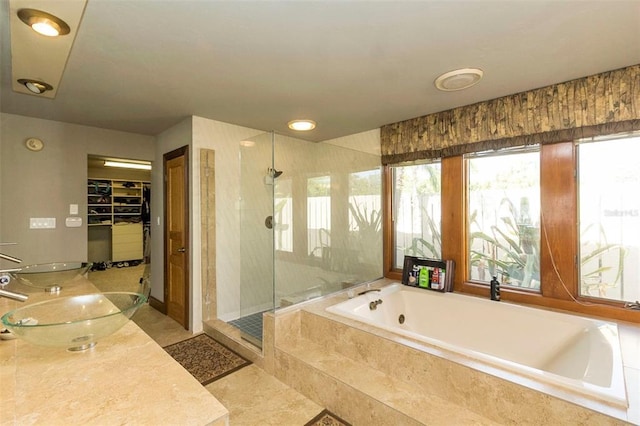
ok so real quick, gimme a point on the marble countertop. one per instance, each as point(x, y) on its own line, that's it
point(127, 378)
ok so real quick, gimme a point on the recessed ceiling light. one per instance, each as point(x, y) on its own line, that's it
point(458, 79)
point(302, 125)
point(35, 86)
point(126, 165)
point(43, 22)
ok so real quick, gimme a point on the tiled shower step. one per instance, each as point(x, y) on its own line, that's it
point(389, 400)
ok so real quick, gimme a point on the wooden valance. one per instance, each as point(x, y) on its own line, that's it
point(601, 104)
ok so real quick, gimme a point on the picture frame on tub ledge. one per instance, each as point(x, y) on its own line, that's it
point(429, 274)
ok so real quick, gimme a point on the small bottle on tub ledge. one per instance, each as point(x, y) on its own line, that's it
point(495, 289)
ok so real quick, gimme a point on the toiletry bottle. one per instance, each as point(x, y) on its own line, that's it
point(495, 289)
point(424, 279)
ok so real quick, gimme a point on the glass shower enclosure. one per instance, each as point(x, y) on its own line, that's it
point(310, 224)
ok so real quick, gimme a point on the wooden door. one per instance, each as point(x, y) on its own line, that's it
point(176, 242)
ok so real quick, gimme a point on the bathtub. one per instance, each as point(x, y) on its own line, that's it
point(576, 354)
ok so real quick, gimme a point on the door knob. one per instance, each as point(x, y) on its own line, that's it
point(182, 250)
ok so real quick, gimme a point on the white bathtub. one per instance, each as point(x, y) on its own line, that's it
point(574, 353)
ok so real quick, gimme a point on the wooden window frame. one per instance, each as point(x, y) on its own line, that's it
point(559, 225)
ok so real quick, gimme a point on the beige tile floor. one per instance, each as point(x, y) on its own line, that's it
point(252, 396)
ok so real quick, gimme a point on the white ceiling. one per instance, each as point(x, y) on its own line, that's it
point(143, 65)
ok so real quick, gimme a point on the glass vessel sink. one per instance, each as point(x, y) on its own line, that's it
point(51, 275)
point(74, 322)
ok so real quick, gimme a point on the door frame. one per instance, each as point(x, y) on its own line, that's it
point(182, 151)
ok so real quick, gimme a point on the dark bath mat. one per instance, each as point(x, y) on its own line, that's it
point(327, 418)
point(206, 359)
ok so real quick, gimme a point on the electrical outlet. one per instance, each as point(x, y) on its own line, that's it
point(42, 223)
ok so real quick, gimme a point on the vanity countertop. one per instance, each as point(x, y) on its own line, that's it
point(127, 378)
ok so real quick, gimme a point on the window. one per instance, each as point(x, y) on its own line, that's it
point(416, 212)
point(559, 224)
point(319, 215)
point(609, 212)
point(503, 217)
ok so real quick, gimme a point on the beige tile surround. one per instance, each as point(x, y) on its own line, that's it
point(330, 359)
point(372, 377)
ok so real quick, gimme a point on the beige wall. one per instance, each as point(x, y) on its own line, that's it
point(224, 139)
point(169, 140)
point(43, 184)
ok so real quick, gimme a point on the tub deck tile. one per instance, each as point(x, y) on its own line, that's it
point(399, 395)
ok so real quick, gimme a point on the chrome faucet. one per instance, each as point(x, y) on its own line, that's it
point(5, 278)
point(7, 257)
point(20, 297)
point(11, 258)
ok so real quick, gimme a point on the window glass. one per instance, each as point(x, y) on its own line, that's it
point(283, 216)
point(609, 209)
point(319, 215)
point(503, 217)
point(416, 212)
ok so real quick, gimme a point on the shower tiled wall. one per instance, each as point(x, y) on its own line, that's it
point(344, 260)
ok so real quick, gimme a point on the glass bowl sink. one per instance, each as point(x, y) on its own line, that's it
point(74, 322)
point(51, 275)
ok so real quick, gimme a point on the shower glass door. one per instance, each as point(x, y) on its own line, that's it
point(257, 177)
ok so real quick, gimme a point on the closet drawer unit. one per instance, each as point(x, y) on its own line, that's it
point(126, 242)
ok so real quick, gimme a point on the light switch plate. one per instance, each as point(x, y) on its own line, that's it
point(42, 223)
point(73, 222)
point(73, 209)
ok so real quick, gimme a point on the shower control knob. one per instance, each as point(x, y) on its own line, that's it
point(268, 222)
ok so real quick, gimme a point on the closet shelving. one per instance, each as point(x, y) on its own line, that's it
point(117, 204)
point(99, 202)
point(112, 202)
point(127, 201)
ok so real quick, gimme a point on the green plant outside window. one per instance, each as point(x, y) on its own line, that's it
point(417, 211)
point(504, 217)
point(609, 212)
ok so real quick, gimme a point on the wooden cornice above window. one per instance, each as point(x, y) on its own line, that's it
point(601, 104)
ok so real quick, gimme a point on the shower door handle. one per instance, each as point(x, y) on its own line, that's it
point(182, 250)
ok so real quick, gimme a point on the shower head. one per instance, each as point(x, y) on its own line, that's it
point(274, 173)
